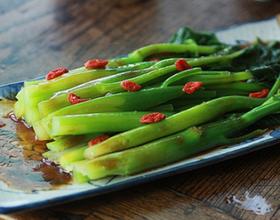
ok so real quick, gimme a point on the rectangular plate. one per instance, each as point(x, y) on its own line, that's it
point(12, 200)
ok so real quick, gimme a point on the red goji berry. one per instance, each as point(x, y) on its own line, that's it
point(130, 86)
point(260, 94)
point(56, 73)
point(98, 139)
point(96, 64)
point(74, 99)
point(181, 65)
point(152, 118)
point(192, 87)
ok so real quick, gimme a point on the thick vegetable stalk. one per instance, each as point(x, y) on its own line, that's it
point(32, 113)
point(141, 53)
point(127, 73)
point(87, 87)
point(184, 103)
point(181, 75)
point(133, 66)
point(44, 89)
point(65, 142)
point(215, 91)
point(238, 86)
point(95, 123)
point(81, 75)
point(207, 77)
point(194, 116)
point(19, 108)
point(66, 157)
point(162, 68)
point(139, 101)
point(100, 89)
point(116, 77)
point(223, 78)
point(175, 147)
point(66, 81)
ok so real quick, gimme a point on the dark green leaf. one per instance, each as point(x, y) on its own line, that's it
point(202, 38)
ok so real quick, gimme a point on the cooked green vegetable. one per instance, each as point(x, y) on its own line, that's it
point(95, 123)
point(140, 101)
point(67, 156)
point(160, 104)
point(186, 34)
point(194, 116)
point(140, 54)
point(175, 147)
point(65, 142)
point(100, 89)
point(35, 94)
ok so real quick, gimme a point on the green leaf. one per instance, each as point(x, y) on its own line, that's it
point(185, 35)
point(266, 73)
point(260, 58)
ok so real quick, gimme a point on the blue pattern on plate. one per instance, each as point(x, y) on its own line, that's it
point(275, 133)
point(9, 91)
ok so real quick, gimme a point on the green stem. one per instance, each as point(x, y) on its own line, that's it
point(134, 66)
point(180, 75)
point(66, 157)
point(65, 142)
point(97, 90)
point(240, 86)
point(220, 79)
point(140, 54)
point(197, 115)
point(175, 147)
point(139, 101)
point(95, 123)
point(274, 88)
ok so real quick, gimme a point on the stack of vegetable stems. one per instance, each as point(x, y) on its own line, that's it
point(194, 122)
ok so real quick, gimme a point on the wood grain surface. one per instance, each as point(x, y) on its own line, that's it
point(36, 36)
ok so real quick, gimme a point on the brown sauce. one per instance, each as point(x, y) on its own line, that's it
point(53, 174)
point(22, 166)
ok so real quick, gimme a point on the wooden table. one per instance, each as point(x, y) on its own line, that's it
point(36, 36)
